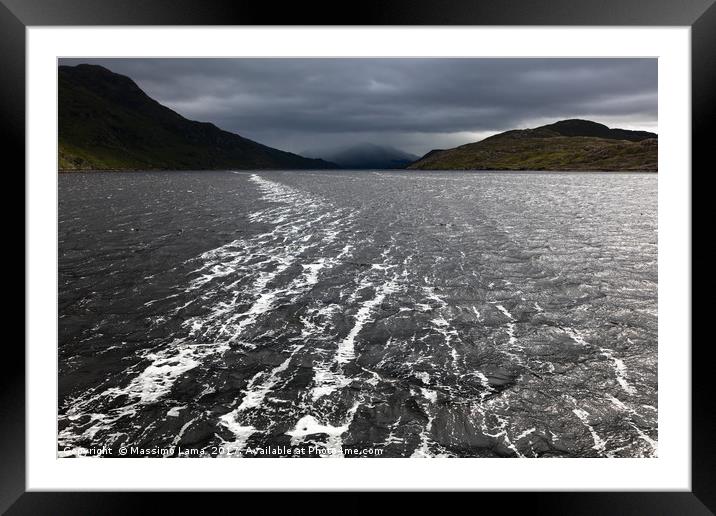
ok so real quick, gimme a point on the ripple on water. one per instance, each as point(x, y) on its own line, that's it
point(423, 314)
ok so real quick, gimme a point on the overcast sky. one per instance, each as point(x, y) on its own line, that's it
point(413, 104)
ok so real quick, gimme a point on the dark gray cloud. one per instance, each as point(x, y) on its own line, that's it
point(413, 104)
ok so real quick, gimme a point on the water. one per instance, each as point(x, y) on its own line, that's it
point(400, 314)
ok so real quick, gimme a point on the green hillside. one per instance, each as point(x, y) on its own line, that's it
point(106, 122)
point(566, 145)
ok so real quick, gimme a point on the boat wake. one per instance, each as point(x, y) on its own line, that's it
point(319, 327)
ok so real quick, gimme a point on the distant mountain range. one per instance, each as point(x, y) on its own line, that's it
point(565, 145)
point(366, 155)
point(107, 122)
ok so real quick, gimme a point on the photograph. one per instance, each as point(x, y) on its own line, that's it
point(357, 257)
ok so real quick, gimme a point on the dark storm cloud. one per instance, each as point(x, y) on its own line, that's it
point(415, 104)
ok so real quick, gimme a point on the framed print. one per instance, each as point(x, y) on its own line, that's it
point(430, 241)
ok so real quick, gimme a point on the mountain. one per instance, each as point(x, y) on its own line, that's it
point(565, 145)
point(106, 122)
point(576, 127)
point(366, 155)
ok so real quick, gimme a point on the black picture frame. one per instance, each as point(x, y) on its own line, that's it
point(700, 15)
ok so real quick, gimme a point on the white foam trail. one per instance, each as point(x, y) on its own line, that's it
point(328, 376)
point(423, 376)
point(510, 325)
point(152, 384)
point(156, 380)
point(576, 336)
point(277, 250)
point(599, 443)
point(346, 348)
point(326, 381)
point(430, 395)
point(505, 311)
point(260, 385)
point(511, 337)
point(502, 431)
point(430, 294)
point(620, 369)
point(525, 433)
point(423, 449)
point(242, 433)
point(256, 392)
point(485, 383)
point(309, 425)
point(175, 411)
point(181, 432)
point(443, 326)
point(642, 435)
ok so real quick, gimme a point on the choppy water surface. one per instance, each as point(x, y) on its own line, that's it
point(416, 313)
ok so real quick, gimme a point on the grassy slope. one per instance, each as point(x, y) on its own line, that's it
point(543, 150)
point(106, 122)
